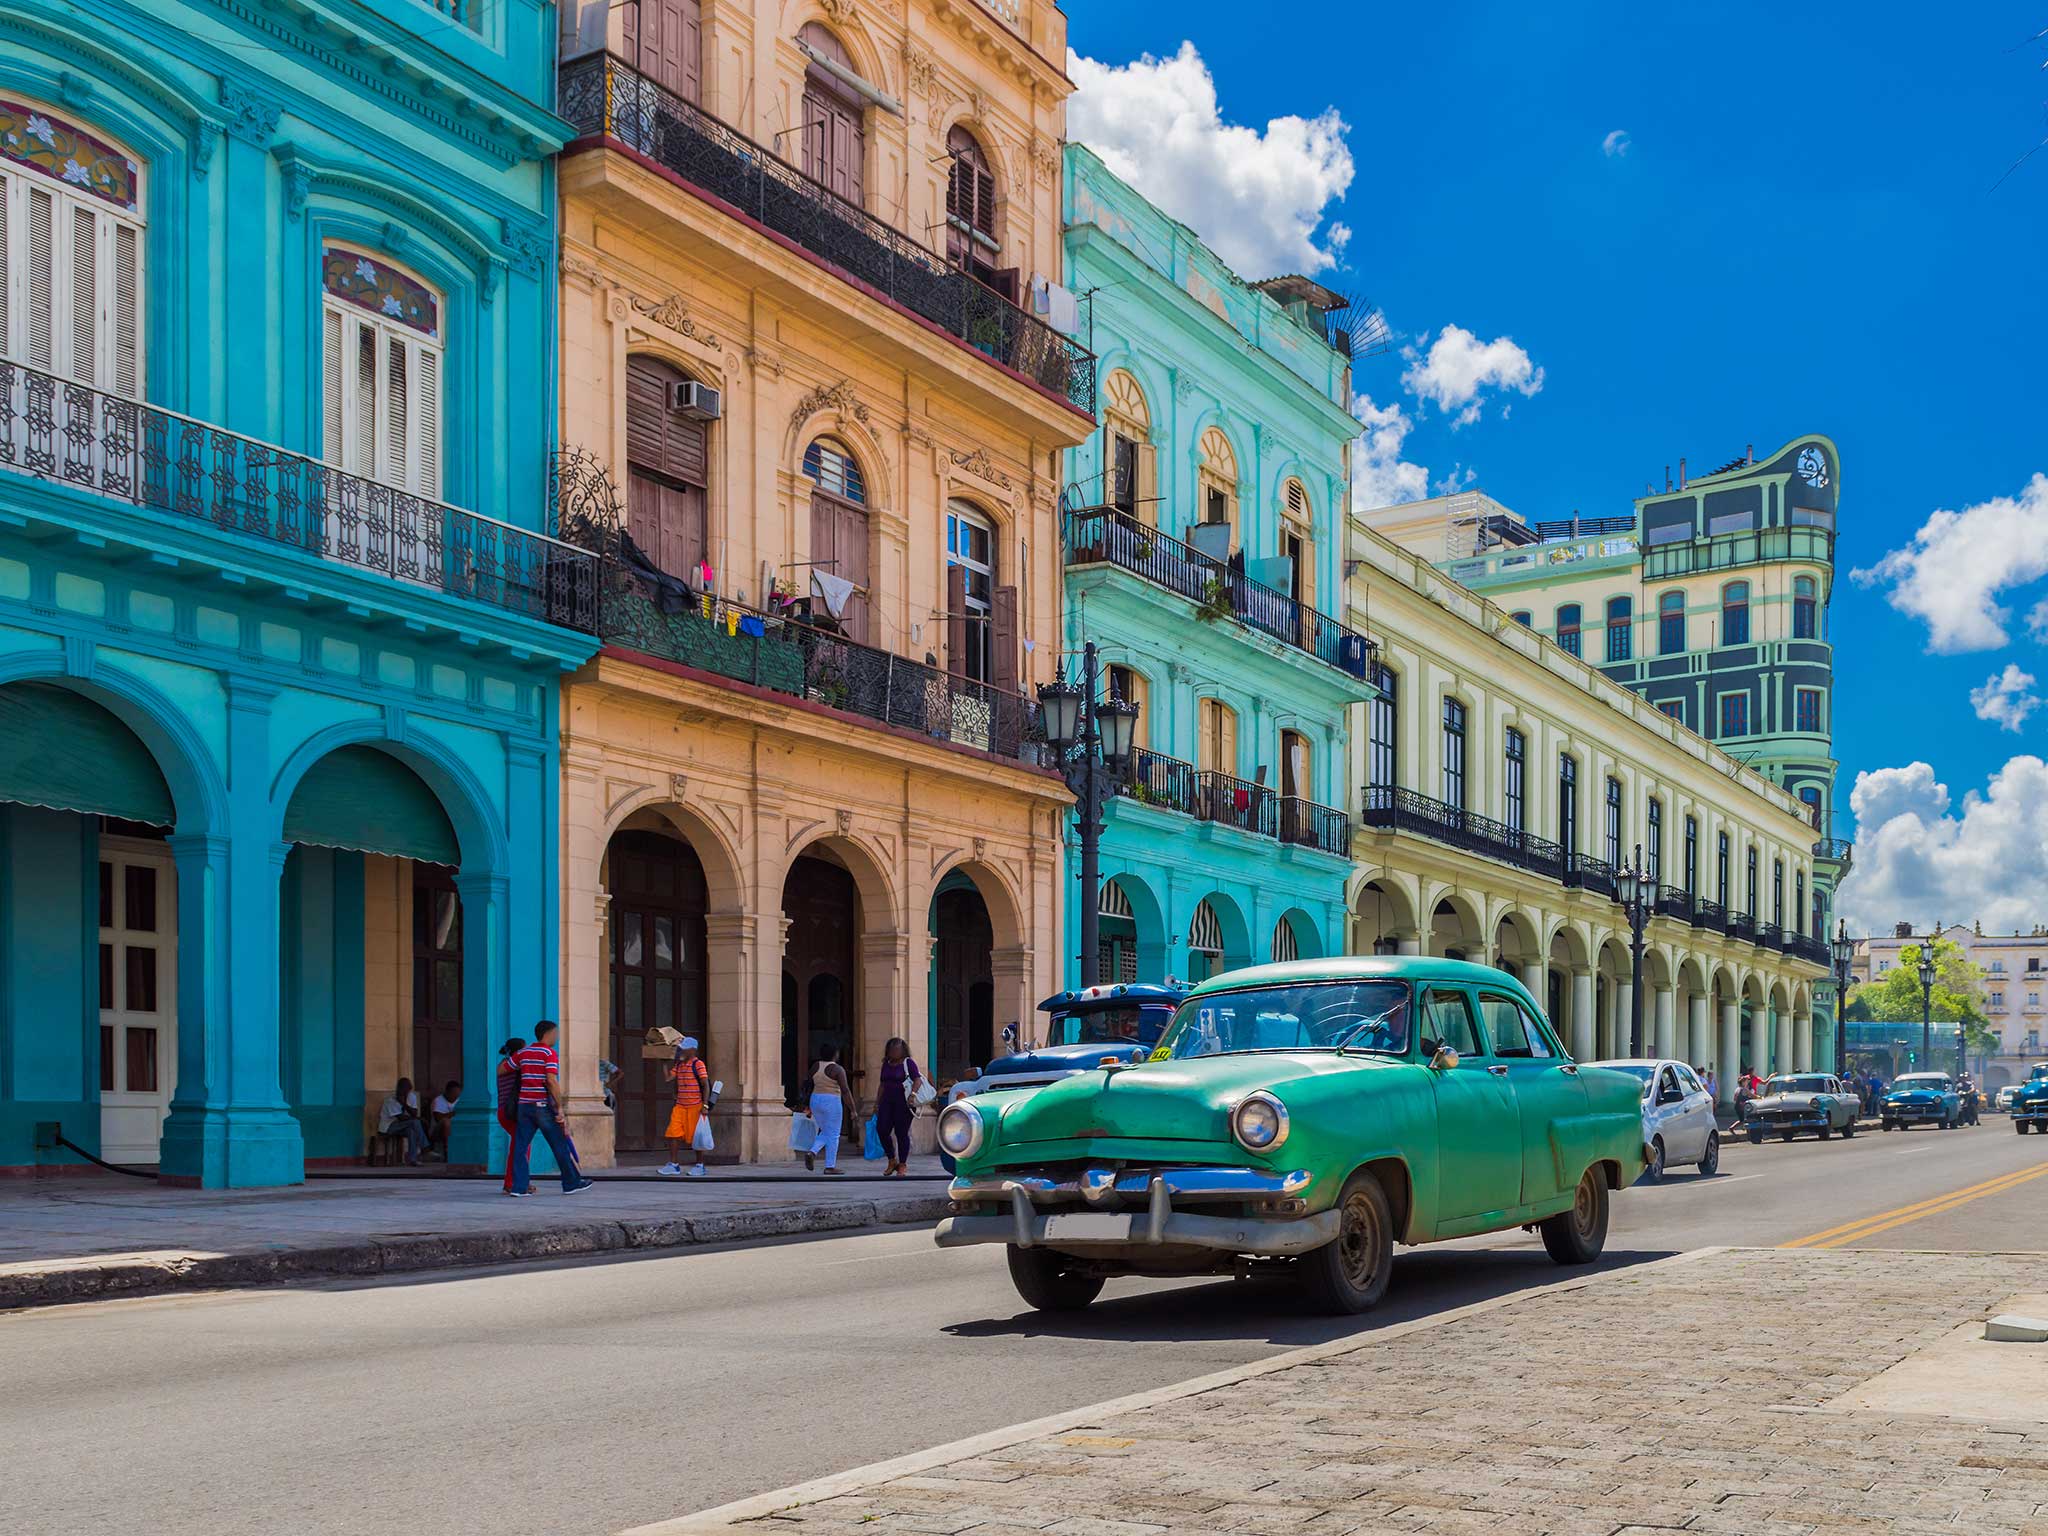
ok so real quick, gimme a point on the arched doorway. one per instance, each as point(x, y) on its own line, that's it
point(657, 967)
point(963, 979)
point(821, 985)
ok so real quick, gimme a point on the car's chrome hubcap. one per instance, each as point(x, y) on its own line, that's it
point(1582, 1207)
point(1358, 1243)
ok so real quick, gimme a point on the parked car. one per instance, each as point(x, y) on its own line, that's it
point(1801, 1101)
point(1921, 1098)
point(1314, 1111)
point(1678, 1115)
point(2030, 1102)
point(2002, 1100)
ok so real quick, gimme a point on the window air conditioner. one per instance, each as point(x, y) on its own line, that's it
point(699, 401)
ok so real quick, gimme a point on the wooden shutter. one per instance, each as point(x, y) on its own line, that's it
point(668, 460)
point(1226, 740)
point(1003, 638)
point(671, 51)
point(956, 620)
point(426, 385)
point(126, 310)
point(330, 387)
point(1148, 485)
point(398, 432)
point(85, 297)
point(40, 281)
point(1206, 745)
point(6, 262)
point(852, 549)
point(362, 458)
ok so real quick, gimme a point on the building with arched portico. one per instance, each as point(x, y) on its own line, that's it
point(281, 628)
point(1203, 541)
point(804, 801)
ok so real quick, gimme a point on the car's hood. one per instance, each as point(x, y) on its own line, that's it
point(1790, 1100)
point(1061, 1058)
point(1905, 1095)
point(1161, 1100)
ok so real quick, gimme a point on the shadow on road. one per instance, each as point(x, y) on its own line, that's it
point(1425, 1282)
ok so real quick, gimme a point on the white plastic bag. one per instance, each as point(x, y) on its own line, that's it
point(701, 1142)
point(922, 1093)
point(803, 1132)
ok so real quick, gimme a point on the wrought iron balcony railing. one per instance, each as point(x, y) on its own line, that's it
point(1156, 779)
point(1403, 810)
point(1105, 535)
point(605, 97)
point(1233, 802)
point(1741, 925)
point(1171, 784)
point(1673, 902)
point(1770, 935)
point(145, 457)
point(1724, 551)
point(1590, 874)
point(1711, 915)
point(1839, 849)
point(1807, 947)
point(1309, 825)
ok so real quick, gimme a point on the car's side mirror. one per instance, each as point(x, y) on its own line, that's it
point(1443, 1059)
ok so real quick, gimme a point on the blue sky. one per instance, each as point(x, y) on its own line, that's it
point(1805, 231)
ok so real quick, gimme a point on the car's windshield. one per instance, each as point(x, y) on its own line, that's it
point(1923, 1080)
point(1103, 1026)
point(1796, 1085)
point(1324, 1015)
point(1640, 1073)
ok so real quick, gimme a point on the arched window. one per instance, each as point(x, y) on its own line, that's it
point(1671, 624)
point(1129, 475)
point(381, 348)
point(665, 42)
point(1523, 617)
point(835, 137)
point(71, 250)
point(1216, 751)
point(1568, 627)
point(981, 614)
point(1805, 609)
point(1620, 628)
point(839, 531)
point(1286, 946)
point(971, 241)
point(1129, 684)
point(668, 463)
point(1216, 474)
point(1297, 766)
point(1297, 542)
point(1735, 613)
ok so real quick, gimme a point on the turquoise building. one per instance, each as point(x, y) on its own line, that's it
point(1204, 552)
point(281, 630)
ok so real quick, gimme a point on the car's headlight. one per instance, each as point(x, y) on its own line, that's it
point(1259, 1122)
point(960, 1129)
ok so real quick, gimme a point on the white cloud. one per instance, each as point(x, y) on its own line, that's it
point(1257, 198)
point(2006, 698)
point(1616, 144)
point(1380, 477)
point(1917, 862)
point(1950, 575)
point(1461, 476)
point(1458, 368)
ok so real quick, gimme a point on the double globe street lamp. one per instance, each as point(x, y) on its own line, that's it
point(1844, 949)
point(1927, 1005)
point(1092, 738)
point(1639, 900)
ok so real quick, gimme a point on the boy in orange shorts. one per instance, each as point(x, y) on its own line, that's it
point(693, 1083)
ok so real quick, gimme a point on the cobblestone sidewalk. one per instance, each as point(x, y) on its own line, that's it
point(1686, 1395)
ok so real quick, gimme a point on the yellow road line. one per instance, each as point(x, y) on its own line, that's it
point(1884, 1221)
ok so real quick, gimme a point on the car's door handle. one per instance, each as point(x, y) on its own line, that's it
point(1570, 1068)
point(1498, 1071)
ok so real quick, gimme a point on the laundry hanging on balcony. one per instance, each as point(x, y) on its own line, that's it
point(836, 591)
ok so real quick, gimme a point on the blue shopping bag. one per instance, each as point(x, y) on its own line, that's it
point(871, 1147)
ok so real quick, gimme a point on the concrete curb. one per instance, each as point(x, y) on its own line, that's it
point(117, 1275)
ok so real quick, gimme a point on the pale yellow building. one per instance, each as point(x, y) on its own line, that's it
point(1505, 786)
point(2014, 985)
point(815, 391)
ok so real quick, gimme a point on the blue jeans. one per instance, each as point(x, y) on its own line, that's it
point(541, 1118)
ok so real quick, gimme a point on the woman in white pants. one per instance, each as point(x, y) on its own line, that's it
point(831, 1107)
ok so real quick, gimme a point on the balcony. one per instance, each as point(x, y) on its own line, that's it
point(1403, 810)
point(1106, 536)
point(1591, 874)
point(1725, 551)
point(205, 477)
point(1770, 936)
point(1710, 915)
point(1838, 850)
point(1741, 925)
point(1672, 902)
point(604, 98)
point(1220, 798)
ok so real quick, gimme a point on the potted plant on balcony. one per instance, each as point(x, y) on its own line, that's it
point(1143, 548)
point(1215, 604)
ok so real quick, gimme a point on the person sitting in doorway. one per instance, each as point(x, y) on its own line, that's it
point(400, 1116)
point(441, 1116)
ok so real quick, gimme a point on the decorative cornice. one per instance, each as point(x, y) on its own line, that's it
point(979, 465)
point(527, 246)
point(834, 397)
point(251, 116)
point(1045, 159)
point(673, 314)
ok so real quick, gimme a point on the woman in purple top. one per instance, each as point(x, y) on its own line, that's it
point(892, 1104)
point(508, 1098)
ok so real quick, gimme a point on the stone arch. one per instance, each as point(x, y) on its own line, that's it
point(1383, 908)
point(1302, 930)
point(881, 907)
point(832, 410)
point(724, 868)
point(1152, 942)
point(479, 831)
point(197, 791)
point(1005, 905)
point(1232, 930)
point(1455, 925)
point(1515, 936)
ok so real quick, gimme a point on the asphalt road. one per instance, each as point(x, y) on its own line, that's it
point(592, 1396)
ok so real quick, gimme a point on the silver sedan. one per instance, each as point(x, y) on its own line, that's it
point(1678, 1115)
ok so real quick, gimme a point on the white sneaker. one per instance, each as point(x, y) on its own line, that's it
point(668, 1170)
point(695, 1171)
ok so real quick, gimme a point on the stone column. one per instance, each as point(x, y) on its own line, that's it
point(1699, 1047)
point(1010, 970)
point(1730, 1065)
point(745, 1037)
point(884, 965)
point(584, 913)
point(475, 1138)
point(1666, 1015)
point(1407, 944)
point(1802, 1042)
point(1536, 977)
point(1583, 1038)
point(1783, 1062)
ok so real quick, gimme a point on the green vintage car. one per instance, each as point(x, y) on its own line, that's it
point(1313, 1113)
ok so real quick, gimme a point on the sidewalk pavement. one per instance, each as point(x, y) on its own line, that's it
point(96, 1235)
point(1753, 1392)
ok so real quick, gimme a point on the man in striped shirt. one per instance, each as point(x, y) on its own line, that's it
point(540, 1111)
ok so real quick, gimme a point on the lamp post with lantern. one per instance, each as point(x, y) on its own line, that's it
point(1844, 949)
point(1926, 970)
point(1092, 737)
point(1639, 900)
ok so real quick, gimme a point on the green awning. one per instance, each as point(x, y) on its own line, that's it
point(366, 800)
point(60, 749)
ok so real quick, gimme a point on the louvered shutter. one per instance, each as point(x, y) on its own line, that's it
point(85, 295)
point(956, 620)
point(427, 397)
point(1226, 740)
point(362, 454)
point(852, 548)
point(40, 282)
point(127, 312)
point(6, 260)
point(1003, 638)
point(398, 412)
point(331, 375)
point(1148, 485)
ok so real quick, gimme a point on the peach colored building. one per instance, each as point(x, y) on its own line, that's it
point(815, 409)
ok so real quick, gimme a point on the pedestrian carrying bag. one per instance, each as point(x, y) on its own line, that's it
point(921, 1092)
point(871, 1143)
point(803, 1132)
point(701, 1141)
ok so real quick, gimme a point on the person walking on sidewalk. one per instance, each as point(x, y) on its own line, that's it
point(693, 1086)
point(831, 1108)
point(893, 1111)
point(508, 1099)
point(540, 1112)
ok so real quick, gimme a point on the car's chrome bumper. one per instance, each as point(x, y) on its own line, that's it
point(1140, 1207)
point(2036, 1114)
point(1910, 1112)
point(1805, 1120)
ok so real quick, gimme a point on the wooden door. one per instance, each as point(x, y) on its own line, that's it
point(820, 985)
point(964, 982)
point(658, 898)
point(839, 545)
point(664, 40)
point(668, 461)
point(138, 966)
point(436, 979)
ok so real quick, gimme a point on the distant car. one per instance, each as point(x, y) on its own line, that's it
point(1678, 1115)
point(1921, 1098)
point(1801, 1102)
point(2002, 1100)
point(2030, 1102)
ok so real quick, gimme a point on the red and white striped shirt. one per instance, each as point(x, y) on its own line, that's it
point(536, 1061)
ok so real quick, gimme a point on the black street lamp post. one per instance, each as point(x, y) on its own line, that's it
point(1639, 899)
point(1927, 1005)
point(1844, 949)
point(1102, 731)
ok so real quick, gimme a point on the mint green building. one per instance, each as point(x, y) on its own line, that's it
point(1204, 528)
